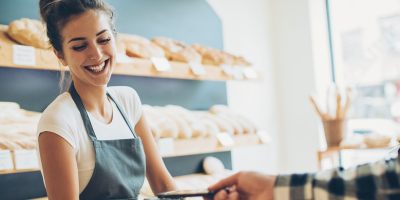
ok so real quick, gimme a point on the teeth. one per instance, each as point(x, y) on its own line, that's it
point(97, 68)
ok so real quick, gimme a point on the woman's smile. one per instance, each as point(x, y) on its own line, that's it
point(97, 69)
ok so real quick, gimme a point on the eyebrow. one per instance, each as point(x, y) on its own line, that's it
point(82, 38)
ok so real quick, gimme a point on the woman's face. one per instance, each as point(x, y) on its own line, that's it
point(89, 48)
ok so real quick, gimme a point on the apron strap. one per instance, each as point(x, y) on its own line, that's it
point(123, 115)
point(86, 121)
point(82, 110)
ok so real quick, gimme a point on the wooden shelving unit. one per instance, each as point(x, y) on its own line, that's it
point(189, 147)
point(211, 144)
point(46, 60)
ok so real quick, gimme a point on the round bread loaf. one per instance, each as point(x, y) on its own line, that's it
point(213, 165)
point(168, 127)
point(177, 51)
point(199, 129)
point(8, 144)
point(212, 127)
point(222, 125)
point(138, 46)
point(238, 129)
point(29, 32)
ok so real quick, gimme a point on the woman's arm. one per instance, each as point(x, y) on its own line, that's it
point(157, 174)
point(60, 170)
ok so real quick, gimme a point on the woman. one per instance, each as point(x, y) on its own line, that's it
point(93, 141)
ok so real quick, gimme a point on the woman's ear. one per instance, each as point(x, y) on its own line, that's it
point(60, 57)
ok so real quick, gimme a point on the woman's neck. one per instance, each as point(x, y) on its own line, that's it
point(95, 100)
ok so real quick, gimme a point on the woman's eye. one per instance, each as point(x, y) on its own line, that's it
point(79, 48)
point(105, 40)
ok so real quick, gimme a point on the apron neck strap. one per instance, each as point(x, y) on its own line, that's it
point(86, 121)
point(123, 115)
point(82, 110)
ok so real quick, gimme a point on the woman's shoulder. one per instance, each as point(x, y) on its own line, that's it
point(123, 93)
point(61, 112)
point(63, 118)
point(62, 105)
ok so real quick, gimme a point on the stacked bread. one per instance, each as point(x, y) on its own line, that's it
point(177, 122)
point(29, 32)
point(17, 127)
point(176, 50)
point(212, 56)
point(138, 46)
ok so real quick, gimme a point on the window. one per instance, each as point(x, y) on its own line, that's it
point(365, 36)
point(365, 44)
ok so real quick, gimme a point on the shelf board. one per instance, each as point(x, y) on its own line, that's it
point(189, 147)
point(211, 144)
point(46, 60)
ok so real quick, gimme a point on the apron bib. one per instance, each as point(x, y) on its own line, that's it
point(120, 164)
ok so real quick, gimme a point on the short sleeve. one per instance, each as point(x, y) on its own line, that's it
point(138, 107)
point(59, 118)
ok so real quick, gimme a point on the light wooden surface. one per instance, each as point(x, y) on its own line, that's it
point(211, 144)
point(334, 152)
point(45, 59)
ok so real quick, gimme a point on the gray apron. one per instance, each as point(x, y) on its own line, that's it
point(120, 164)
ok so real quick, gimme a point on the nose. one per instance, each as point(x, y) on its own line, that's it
point(95, 53)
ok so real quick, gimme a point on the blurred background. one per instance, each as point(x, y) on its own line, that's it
point(297, 48)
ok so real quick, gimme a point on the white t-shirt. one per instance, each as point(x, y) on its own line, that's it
point(63, 118)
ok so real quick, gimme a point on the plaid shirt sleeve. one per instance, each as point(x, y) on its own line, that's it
point(379, 180)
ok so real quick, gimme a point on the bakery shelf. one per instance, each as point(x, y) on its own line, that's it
point(211, 144)
point(10, 171)
point(45, 59)
point(191, 146)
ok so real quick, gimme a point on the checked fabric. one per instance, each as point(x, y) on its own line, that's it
point(379, 180)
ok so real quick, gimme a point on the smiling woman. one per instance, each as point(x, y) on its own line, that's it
point(94, 140)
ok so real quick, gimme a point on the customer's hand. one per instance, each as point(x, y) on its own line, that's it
point(246, 185)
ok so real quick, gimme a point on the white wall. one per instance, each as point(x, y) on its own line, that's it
point(293, 58)
point(287, 41)
point(246, 32)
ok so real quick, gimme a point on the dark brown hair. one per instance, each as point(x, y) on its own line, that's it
point(57, 13)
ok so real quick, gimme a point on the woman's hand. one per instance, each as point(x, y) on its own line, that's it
point(246, 185)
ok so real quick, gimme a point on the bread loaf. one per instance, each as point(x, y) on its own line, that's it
point(222, 125)
point(238, 129)
point(209, 55)
point(253, 127)
point(212, 127)
point(177, 51)
point(199, 129)
point(219, 108)
point(185, 131)
point(151, 113)
point(8, 144)
point(25, 143)
point(168, 128)
point(241, 61)
point(29, 32)
point(213, 165)
point(138, 46)
point(247, 127)
point(121, 48)
point(376, 140)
